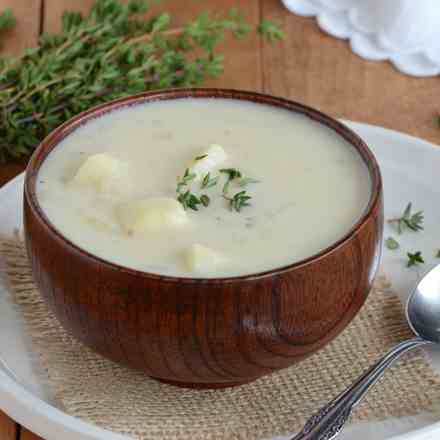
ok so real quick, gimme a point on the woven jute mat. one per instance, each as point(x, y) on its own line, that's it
point(98, 391)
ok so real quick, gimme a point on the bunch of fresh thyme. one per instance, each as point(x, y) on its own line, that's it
point(110, 53)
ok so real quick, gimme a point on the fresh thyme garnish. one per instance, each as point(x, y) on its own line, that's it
point(232, 173)
point(208, 182)
point(201, 157)
point(189, 200)
point(110, 53)
point(238, 201)
point(409, 220)
point(244, 181)
point(205, 200)
point(414, 259)
point(185, 180)
point(391, 243)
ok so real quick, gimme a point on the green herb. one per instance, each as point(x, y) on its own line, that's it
point(409, 220)
point(108, 54)
point(189, 200)
point(238, 201)
point(438, 121)
point(391, 243)
point(414, 259)
point(185, 180)
point(7, 19)
point(437, 255)
point(244, 181)
point(205, 200)
point(201, 157)
point(232, 173)
point(270, 30)
point(208, 182)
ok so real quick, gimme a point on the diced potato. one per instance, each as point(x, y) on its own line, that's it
point(215, 156)
point(202, 259)
point(151, 215)
point(103, 173)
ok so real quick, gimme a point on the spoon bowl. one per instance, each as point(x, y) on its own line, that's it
point(423, 307)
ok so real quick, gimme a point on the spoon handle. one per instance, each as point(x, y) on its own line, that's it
point(329, 420)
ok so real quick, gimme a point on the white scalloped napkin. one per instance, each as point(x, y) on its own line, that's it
point(405, 32)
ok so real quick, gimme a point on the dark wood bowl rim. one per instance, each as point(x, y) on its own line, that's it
point(54, 138)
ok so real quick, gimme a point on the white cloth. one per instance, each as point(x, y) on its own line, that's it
point(406, 32)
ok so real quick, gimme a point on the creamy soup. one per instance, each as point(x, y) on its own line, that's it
point(144, 187)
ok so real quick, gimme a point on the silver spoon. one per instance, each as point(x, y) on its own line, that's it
point(423, 315)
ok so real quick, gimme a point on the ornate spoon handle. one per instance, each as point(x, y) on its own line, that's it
point(329, 420)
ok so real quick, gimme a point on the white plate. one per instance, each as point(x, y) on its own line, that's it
point(410, 171)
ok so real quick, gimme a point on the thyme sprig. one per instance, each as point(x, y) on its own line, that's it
point(408, 220)
point(189, 200)
point(271, 30)
point(235, 174)
point(110, 53)
point(231, 174)
point(7, 20)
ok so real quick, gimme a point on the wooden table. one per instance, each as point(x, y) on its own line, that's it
point(307, 66)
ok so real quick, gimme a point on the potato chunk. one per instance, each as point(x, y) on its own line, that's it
point(215, 156)
point(103, 173)
point(152, 214)
point(202, 259)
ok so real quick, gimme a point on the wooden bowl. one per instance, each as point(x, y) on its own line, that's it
point(204, 333)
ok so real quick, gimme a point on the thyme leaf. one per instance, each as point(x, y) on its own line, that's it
point(209, 181)
point(414, 259)
point(238, 201)
point(392, 243)
point(244, 181)
point(205, 200)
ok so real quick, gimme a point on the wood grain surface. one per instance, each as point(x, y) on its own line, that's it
point(308, 66)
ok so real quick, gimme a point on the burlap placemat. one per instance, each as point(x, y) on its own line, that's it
point(101, 392)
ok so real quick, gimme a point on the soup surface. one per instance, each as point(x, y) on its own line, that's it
point(111, 187)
